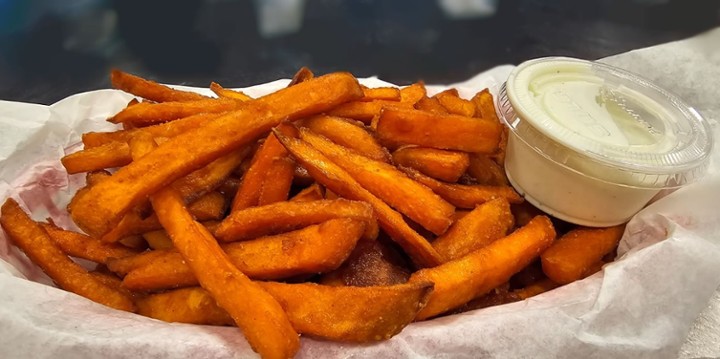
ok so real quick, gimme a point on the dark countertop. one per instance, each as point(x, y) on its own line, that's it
point(49, 51)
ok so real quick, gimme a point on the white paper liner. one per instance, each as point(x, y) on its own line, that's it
point(640, 306)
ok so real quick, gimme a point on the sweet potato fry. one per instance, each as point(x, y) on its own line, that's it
point(302, 75)
point(150, 90)
point(314, 192)
point(536, 288)
point(109, 155)
point(123, 266)
point(347, 134)
point(485, 108)
point(381, 93)
point(371, 263)
point(314, 249)
point(432, 105)
point(483, 225)
point(351, 314)
point(464, 196)
point(270, 161)
point(461, 280)
point(158, 239)
point(413, 93)
point(32, 239)
point(81, 246)
point(167, 129)
point(364, 111)
point(577, 250)
point(259, 316)
point(337, 180)
point(102, 207)
point(227, 93)
point(444, 165)
point(455, 105)
point(208, 178)
point(389, 184)
point(280, 217)
point(146, 114)
point(486, 171)
point(450, 132)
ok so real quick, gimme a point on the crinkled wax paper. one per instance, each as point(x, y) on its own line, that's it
point(641, 306)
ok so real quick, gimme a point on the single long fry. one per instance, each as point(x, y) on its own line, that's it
point(455, 105)
point(150, 90)
point(270, 161)
point(146, 114)
point(486, 171)
point(259, 316)
point(483, 225)
point(281, 217)
point(464, 196)
point(459, 281)
point(337, 180)
point(388, 183)
point(350, 314)
point(85, 247)
point(314, 249)
point(364, 111)
point(102, 207)
point(227, 93)
point(576, 251)
point(444, 165)
point(484, 105)
point(347, 134)
point(30, 237)
point(109, 155)
point(449, 132)
point(381, 93)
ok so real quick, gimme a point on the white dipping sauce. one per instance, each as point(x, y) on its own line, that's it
point(592, 144)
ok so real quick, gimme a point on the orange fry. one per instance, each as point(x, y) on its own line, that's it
point(364, 111)
point(449, 132)
point(301, 75)
point(81, 246)
point(371, 263)
point(444, 165)
point(578, 250)
point(381, 93)
point(32, 239)
point(337, 180)
point(389, 184)
point(347, 134)
point(432, 105)
point(146, 114)
point(314, 192)
point(410, 95)
point(227, 93)
point(102, 207)
point(459, 281)
point(259, 316)
point(109, 155)
point(455, 105)
point(486, 171)
point(150, 90)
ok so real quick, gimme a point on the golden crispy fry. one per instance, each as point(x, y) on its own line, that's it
point(270, 161)
point(483, 225)
point(364, 111)
point(576, 251)
point(227, 93)
point(146, 114)
point(464, 196)
point(444, 165)
point(432, 105)
point(30, 237)
point(259, 316)
point(81, 246)
point(410, 95)
point(158, 239)
point(461, 280)
point(102, 207)
point(281, 217)
point(371, 263)
point(301, 75)
point(450, 132)
point(347, 134)
point(351, 314)
point(109, 155)
point(167, 129)
point(314, 249)
point(150, 90)
point(455, 105)
point(389, 184)
point(337, 180)
point(381, 93)
point(314, 192)
point(486, 171)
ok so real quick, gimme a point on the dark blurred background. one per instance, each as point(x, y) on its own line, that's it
point(51, 49)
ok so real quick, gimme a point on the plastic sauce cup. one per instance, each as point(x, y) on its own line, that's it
point(592, 144)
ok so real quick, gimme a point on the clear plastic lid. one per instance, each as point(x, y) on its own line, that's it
point(605, 123)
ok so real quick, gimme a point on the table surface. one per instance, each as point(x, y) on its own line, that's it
point(49, 50)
